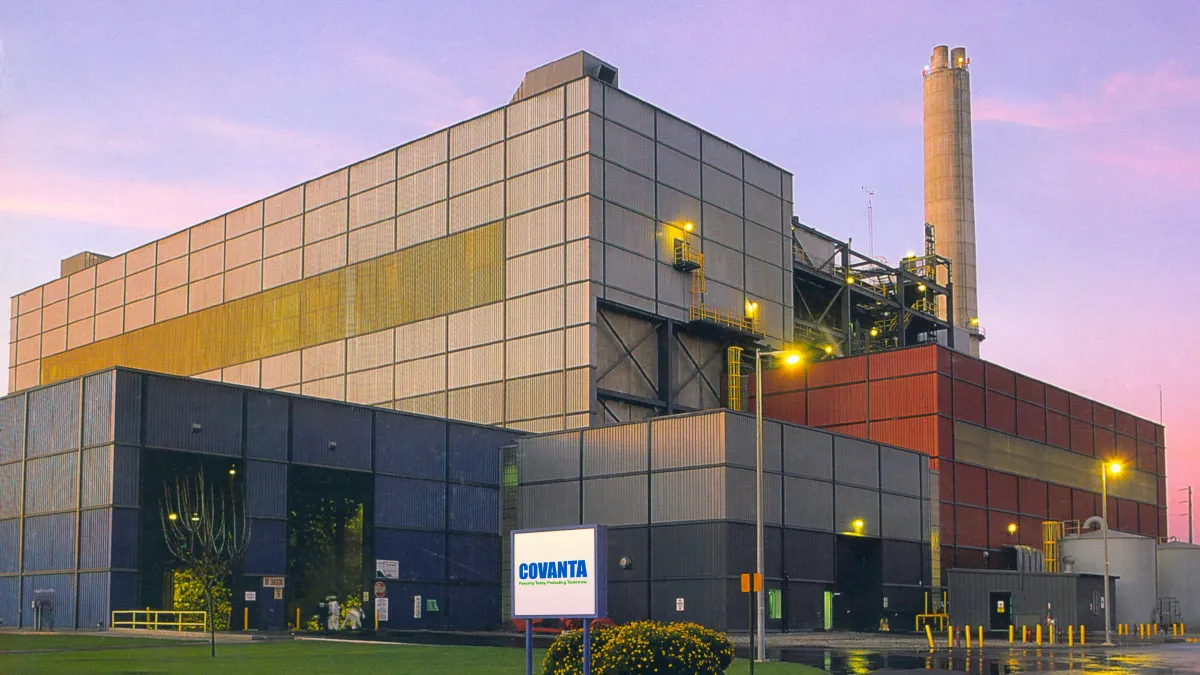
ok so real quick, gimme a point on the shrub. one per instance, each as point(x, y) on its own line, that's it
point(189, 596)
point(642, 647)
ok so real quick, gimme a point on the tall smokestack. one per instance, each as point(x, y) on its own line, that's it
point(950, 180)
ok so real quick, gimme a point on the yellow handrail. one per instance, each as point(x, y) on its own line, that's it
point(153, 619)
point(716, 315)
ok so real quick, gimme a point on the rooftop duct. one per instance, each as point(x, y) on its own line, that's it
point(580, 64)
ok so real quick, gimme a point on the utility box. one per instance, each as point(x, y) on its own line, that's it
point(996, 599)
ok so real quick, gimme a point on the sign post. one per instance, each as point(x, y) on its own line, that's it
point(560, 573)
point(751, 584)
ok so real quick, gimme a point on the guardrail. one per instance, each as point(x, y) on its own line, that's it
point(159, 619)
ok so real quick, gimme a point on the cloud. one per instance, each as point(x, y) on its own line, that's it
point(252, 138)
point(435, 101)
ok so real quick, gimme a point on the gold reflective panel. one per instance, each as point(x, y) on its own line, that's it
point(446, 275)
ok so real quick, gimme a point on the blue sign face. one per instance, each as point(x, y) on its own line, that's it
point(561, 569)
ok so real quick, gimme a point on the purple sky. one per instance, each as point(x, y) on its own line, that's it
point(122, 122)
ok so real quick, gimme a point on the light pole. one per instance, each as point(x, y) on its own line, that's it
point(1115, 467)
point(791, 358)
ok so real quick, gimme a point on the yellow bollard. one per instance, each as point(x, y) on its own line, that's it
point(928, 634)
point(245, 618)
point(1039, 635)
point(967, 630)
point(1070, 636)
point(981, 637)
point(1051, 631)
point(1011, 630)
point(1082, 639)
point(950, 637)
point(297, 618)
point(1025, 634)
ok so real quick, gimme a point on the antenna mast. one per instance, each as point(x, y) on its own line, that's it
point(870, 222)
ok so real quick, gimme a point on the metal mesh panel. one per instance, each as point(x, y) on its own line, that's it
point(535, 313)
point(534, 230)
point(476, 208)
point(325, 189)
point(283, 205)
point(535, 189)
point(281, 269)
point(421, 225)
point(414, 378)
point(476, 326)
point(372, 241)
point(172, 247)
point(370, 351)
point(477, 169)
point(80, 333)
point(108, 296)
point(536, 354)
point(244, 220)
point(206, 234)
point(535, 271)
point(243, 281)
point(420, 189)
point(206, 293)
point(535, 111)
point(536, 148)
point(166, 306)
point(242, 250)
point(283, 236)
point(475, 366)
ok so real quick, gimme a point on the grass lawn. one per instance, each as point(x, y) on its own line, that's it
point(152, 657)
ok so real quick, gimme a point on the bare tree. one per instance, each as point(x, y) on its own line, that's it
point(207, 531)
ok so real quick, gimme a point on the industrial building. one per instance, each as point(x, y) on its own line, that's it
point(576, 264)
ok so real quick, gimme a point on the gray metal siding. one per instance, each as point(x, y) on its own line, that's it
point(855, 462)
point(741, 497)
point(267, 550)
point(688, 551)
point(127, 416)
point(10, 536)
point(266, 489)
point(901, 518)
point(703, 601)
point(10, 603)
point(623, 448)
point(63, 603)
point(853, 504)
point(266, 425)
point(410, 502)
point(126, 528)
point(317, 424)
point(49, 543)
point(693, 494)
point(473, 508)
point(473, 453)
point(554, 457)
point(548, 505)
point(125, 472)
point(96, 487)
point(98, 408)
point(808, 504)
point(741, 440)
point(473, 558)
point(900, 470)
point(51, 483)
point(694, 440)
point(12, 428)
point(93, 600)
point(174, 407)
point(54, 419)
point(95, 545)
point(616, 501)
point(970, 599)
point(10, 490)
point(410, 446)
point(807, 452)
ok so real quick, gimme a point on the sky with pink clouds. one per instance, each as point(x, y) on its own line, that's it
point(122, 122)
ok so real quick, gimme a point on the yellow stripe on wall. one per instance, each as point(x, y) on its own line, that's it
point(446, 275)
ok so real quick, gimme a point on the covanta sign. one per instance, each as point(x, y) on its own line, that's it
point(559, 573)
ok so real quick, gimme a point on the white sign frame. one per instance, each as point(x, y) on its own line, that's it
point(387, 569)
point(559, 600)
point(381, 609)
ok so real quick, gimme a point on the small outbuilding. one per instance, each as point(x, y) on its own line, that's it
point(997, 599)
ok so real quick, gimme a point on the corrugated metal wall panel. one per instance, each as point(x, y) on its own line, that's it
point(687, 441)
point(126, 527)
point(266, 425)
point(807, 503)
point(899, 362)
point(536, 149)
point(681, 496)
point(688, 551)
point(97, 408)
point(1105, 442)
point(851, 503)
point(10, 549)
point(837, 371)
point(1033, 497)
point(1000, 379)
point(969, 403)
point(62, 605)
point(967, 368)
point(904, 396)
point(971, 527)
point(96, 486)
point(1002, 491)
point(126, 476)
point(473, 558)
point(127, 422)
point(1127, 449)
point(970, 484)
point(410, 446)
point(10, 604)
point(95, 544)
point(49, 543)
point(430, 150)
point(914, 433)
point(266, 489)
point(93, 600)
point(840, 405)
point(51, 483)
point(553, 457)
point(473, 509)
point(901, 471)
point(10, 490)
point(535, 111)
point(1058, 430)
point(317, 424)
point(534, 189)
point(1059, 502)
point(409, 502)
point(807, 452)
point(54, 418)
point(548, 505)
point(1082, 439)
point(789, 407)
point(616, 449)
point(1031, 421)
point(266, 552)
point(740, 501)
point(1001, 412)
point(1081, 408)
point(855, 462)
point(1147, 457)
point(1104, 416)
point(174, 406)
point(422, 555)
point(616, 501)
point(472, 607)
point(12, 428)
point(325, 189)
point(473, 453)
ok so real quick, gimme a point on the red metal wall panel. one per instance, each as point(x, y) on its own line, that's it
point(945, 437)
point(968, 403)
point(1129, 515)
point(1058, 400)
point(789, 407)
point(971, 527)
point(1162, 490)
point(904, 396)
point(1031, 532)
point(1148, 520)
point(843, 404)
point(998, 535)
point(1029, 389)
point(777, 380)
point(945, 395)
point(1032, 495)
point(1031, 421)
point(899, 362)
point(914, 433)
point(837, 371)
point(1127, 448)
point(1162, 461)
point(1126, 424)
point(949, 560)
point(1059, 504)
point(1058, 430)
point(1081, 408)
point(1002, 491)
point(945, 361)
point(971, 559)
point(1114, 515)
point(1083, 505)
point(856, 430)
point(1104, 416)
point(1000, 379)
point(1081, 437)
point(1162, 523)
point(1160, 435)
point(1105, 445)
point(1147, 458)
point(1145, 430)
point(970, 485)
point(946, 523)
point(946, 481)
point(967, 368)
point(1001, 412)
